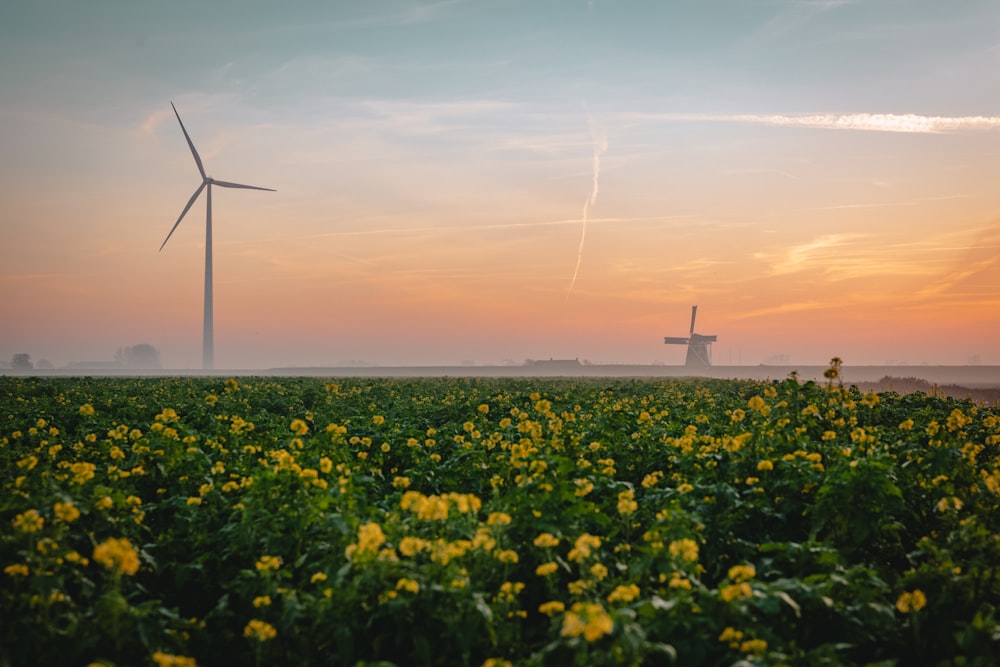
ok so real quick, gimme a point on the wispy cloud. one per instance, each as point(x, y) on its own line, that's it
point(870, 122)
point(798, 257)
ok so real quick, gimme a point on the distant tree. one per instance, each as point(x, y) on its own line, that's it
point(142, 357)
point(22, 361)
point(44, 363)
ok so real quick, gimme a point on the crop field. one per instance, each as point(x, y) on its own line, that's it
point(303, 521)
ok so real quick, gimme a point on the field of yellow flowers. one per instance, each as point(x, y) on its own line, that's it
point(183, 521)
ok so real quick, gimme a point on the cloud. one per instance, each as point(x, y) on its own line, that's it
point(886, 122)
point(797, 257)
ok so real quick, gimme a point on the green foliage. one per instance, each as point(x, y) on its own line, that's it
point(471, 522)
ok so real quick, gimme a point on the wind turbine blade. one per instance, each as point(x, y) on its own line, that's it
point(694, 311)
point(227, 184)
point(183, 213)
point(194, 152)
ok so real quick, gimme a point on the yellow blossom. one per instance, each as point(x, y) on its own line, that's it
point(17, 570)
point(736, 591)
point(545, 569)
point(583, 547)
point(262, 601)
point(546, 540)
point(259, 630)
point(66, 511)
point(911, 601)
point(408, 585)
point(738, 573)
point(268, 563)
point(551, 608)
point(588, 619)
point(624, 593)
point(118, 555)
point(168, 660)
point(87, 410)
point(29, 521)
point(299, 427)
point(626, 503)
point(685, 549)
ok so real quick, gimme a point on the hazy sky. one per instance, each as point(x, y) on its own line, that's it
point(502, 179)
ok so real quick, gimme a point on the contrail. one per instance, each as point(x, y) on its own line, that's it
point(600, 143)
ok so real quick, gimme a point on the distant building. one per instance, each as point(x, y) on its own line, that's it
point(555, 363)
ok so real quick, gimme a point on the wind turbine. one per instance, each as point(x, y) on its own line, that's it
point(208, 346)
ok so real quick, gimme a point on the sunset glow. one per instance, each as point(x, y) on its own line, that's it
point(818, 177)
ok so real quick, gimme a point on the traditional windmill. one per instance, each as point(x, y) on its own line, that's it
point(699, 347)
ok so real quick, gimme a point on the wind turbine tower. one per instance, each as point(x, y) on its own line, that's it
point(208, 336)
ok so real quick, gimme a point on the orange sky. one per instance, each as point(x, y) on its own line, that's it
point(429, 209)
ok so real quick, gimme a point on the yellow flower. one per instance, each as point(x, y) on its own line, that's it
point(498, 519)
point(483, 409)
point(551, 608)
point(947, 503)
point(410, 546)
point(82, 471)
point(651, 480)
point(731, 635)
point(599, 571)
point(685, 549)
point(738, 573)
point(268, 563)
point(583, 547)
point(17, 570)
point(87, 410)
point(118, 555)
point(910, 602)
point(765, 465)
point(319, 576)
point(378, 420)
point(588, 619)
point(624, 593)
point(299, 427)
point(167, 660)
point(754, 646)
point(262, 601)
point(506, 556)
point(626, 503)
point(736, 592)
point(211, 399)
point(259, 630)
point(496, 662)
point(545, 569)
point(408, 585)
point(401, 482)
point(104, 503)
point(546, 540)
point(755, 403)
point(29, 522)
point(370, 538)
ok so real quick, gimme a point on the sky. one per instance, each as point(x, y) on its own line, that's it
point(491, 181)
